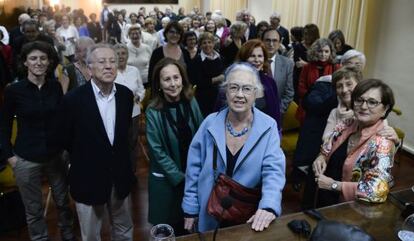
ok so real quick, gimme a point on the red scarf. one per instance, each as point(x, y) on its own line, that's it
point(310, 73)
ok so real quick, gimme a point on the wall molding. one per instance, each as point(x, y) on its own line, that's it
point(408, 148)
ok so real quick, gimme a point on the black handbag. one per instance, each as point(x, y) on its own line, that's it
point(328, 230)
point(12, 213)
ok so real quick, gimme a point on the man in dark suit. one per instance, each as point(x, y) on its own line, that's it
point(275, 24)
point(94, 28)
point(281, 67)
point(251, 28)
point(96, 118)
point(18, 31)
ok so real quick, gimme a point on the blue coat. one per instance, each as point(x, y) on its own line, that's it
point(260, 161)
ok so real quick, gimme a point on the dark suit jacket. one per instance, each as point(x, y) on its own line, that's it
point(285, 35)
point(96, 165)
point(252, 31)
point(14, 34)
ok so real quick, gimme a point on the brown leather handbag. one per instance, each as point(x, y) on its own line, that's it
point(230, 202)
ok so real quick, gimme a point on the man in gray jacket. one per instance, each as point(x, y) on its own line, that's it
point(281, 66)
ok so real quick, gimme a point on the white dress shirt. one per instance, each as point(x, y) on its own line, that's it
point(205, 56)
point(131, 78)
point(272, 64)
point(107, 109)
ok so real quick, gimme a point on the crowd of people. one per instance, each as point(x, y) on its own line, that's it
point(213, 93)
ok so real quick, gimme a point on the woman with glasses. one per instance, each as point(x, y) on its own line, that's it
point(355, 161)
point(248, 151)
point(173, 34)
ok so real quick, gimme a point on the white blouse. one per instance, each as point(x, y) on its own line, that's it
point(131, 78)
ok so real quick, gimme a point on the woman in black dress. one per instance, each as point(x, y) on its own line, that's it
point(206, 73)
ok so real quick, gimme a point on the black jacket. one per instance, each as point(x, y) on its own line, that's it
point(96, 165)
point(318, 103)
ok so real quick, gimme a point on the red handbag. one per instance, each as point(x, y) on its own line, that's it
point(230, 202)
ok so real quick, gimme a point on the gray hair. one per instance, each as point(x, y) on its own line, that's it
point(165, 20)
point(246, 67)
point(84, 41)
point(49, 23)
point(94, 47)
point(23, 17)
point(218, 19)
point(120, 46)
point(275, 15)
point(352, 53)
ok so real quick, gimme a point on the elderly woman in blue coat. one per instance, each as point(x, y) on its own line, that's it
point(248, 151)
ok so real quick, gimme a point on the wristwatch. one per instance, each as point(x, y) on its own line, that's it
point(334, 186)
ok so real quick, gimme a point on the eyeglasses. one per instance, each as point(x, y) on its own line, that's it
point(246, 89)
point(268, 40)
point(371, 103)
point(174, 32)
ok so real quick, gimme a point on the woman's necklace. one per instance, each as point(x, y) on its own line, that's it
point(233, 132)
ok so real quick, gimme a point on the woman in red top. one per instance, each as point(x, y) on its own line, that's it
point(321, 57)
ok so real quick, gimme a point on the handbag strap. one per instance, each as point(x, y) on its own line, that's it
point(215, 161)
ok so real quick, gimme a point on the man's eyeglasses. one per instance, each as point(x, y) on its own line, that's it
point(371, 103)
point(268, 40)
point(246, 89)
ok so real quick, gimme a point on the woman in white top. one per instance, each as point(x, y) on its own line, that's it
point(139, 53)
point(130, 77)
point(69, 35)
point(123, 26)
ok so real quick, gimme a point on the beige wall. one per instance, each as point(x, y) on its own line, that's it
point(9, 5)
point(390, 56)
point(95, 6)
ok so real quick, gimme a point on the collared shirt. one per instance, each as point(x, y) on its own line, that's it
point(247, 33)
point(36, 114)
point(205, 56)
point(131, 78)
point(219, 32)
point(107, 109)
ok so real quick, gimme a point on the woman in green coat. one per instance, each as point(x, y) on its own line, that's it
point(172, 118)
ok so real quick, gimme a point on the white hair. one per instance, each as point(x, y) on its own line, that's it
point(165, 20)
point(245, 67)
point(352, 53)
point(275, 15)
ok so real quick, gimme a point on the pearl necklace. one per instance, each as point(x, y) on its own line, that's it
point(233, 132)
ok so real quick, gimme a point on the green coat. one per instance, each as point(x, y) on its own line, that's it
point(166, 175)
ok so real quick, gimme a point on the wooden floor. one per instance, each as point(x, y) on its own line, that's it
point(403, 173)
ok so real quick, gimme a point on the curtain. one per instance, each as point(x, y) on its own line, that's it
point(347, 15)
point(229, 8)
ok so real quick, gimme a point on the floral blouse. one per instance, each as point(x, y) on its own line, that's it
point(366, 173)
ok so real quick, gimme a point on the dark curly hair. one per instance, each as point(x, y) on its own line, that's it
point(43, 47)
